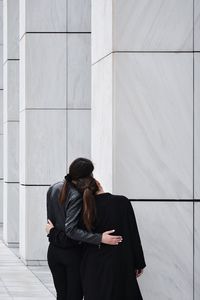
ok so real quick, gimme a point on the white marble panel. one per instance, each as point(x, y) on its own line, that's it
point(11, 29)
point(5, 31)
point(79, 15)
point(42, 146)
point(11, 214)
point(1, 201)
point(1, 156)
point(1, 112)
point(11, 151)
point(196, 126)
point(1, 64)
point(197, 252)
point(79, 71)
point(43, 16)
point(79, 134)
point(11, 90)
point(102, 29)
point(33, 240)
point(153, 127)
point(102, 121)
point(1, 22)
point(196, 25)
point(43, 71)
point(153, 25)
point(166, 231)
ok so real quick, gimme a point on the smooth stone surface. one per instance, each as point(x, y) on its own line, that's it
point(1, 156)
point(1, 22)
point(1, 64)
point(43, 16)
point(197, 251)
point(102, 121)
point(196, 127)
point(11, 151)
point(134, 25)
point(43, 71)
point(153, 127)
point(33, 199)
point(153, 25)
point(102, 29)
point(1, 201)
point(19, 282)
point(43, 146)
point(79, 145)
point(79, 16)
point(196, 25)
point(11, 90)
point(11, 213)
point(166, 231)
point(1, 112)
point(11, 29)
point(79, 71)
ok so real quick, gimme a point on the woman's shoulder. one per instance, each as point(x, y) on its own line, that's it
point(55, 187)
point(121, 198)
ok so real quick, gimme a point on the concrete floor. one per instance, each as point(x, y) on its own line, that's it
point(19, 282)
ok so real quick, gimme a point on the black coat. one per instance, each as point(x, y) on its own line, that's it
point(108, 272)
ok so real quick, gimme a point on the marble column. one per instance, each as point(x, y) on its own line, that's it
point(143, 128)
point(1, 112)
point(54, 107)
point(196, 150)
point(11, 123)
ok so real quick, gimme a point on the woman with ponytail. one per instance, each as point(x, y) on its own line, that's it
point(67, 201)
point(108, 272)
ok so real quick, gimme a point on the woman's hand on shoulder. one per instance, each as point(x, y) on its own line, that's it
point(109, 239)
point(49, 226)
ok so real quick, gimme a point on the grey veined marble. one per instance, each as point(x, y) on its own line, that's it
point(153, 127)
point(197, 251)
point(166, 230)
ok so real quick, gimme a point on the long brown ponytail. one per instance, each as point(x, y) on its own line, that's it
point(80, 173)
point(88, 187)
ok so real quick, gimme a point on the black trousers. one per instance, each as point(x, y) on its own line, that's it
point(65, 268)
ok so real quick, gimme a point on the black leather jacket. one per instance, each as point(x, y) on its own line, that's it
point(66, 217)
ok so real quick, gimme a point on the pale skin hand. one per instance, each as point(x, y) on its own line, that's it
point(107, 238)
point(139, 272)
point(49, 226)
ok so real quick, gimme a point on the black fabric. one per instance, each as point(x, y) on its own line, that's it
point(108, 272)
point(65, 268)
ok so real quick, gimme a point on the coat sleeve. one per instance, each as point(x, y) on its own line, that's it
point(73, 215)
point(136, 245)
point(59, 239)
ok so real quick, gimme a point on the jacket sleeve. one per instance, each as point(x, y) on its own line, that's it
point(136, 245)
point(59, 239)
point(73, 214)
point(49, 209)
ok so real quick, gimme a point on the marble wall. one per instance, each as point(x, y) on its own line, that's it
point(11, 122)
point(144, 124)
point(145, 130)
point(55, 105)
point(1, 111)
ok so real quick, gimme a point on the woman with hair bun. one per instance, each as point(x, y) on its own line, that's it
point(64, 207)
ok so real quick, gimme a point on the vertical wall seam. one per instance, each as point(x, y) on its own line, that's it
point(193, 236)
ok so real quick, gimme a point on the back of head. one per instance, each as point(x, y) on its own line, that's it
point(80, 173)
point(80, 168)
